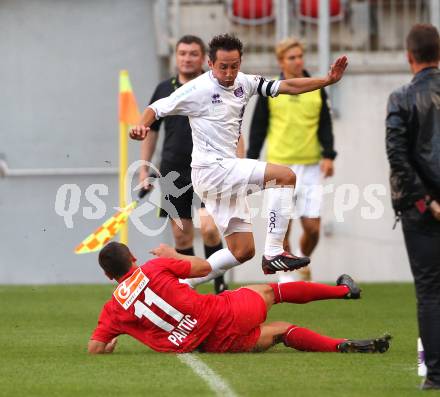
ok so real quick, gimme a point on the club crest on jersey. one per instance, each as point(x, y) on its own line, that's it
point(238, 92)
point(216, 98)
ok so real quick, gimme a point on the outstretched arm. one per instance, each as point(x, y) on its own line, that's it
point(199, 267)
point(185, 101)
point(299, 85)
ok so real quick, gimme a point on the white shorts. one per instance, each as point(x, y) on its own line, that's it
point(308, 191)
point(223, 188)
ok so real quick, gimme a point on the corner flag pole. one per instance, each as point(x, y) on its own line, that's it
point(128, 115)
point(123, 130)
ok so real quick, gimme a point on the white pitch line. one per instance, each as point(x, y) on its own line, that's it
point(216, 383)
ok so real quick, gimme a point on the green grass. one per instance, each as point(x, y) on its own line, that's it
point(44, 331)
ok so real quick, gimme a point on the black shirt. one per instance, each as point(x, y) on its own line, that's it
point(177, 145)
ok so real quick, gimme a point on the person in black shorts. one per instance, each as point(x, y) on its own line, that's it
point(176, 156)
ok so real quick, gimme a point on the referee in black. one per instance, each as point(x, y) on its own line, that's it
point(176, 156)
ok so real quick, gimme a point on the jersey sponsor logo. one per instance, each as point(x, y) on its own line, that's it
point(129, 289)
point(218, 110)
point(238, 92)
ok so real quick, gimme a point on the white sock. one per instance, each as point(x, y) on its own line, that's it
point(185, 281)
point(288, 277)
point(220, 261)
point(280, 208)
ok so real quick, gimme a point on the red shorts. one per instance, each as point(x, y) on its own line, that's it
point(238, 329)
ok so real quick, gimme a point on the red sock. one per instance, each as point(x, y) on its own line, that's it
point(306, 340)
point(303, 292)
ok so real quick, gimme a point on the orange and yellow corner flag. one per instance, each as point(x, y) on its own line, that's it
point(106, 232)
point(128, 108)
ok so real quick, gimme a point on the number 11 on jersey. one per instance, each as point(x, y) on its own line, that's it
point(140, 309)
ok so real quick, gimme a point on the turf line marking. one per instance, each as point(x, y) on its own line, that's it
point(215, 382)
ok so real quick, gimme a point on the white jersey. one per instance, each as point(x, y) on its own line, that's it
point(215, 112)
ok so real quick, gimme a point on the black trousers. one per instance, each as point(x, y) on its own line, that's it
point(422, 239)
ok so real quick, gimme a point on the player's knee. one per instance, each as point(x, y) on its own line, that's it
point(268, 294)
point(287, 177)
point(271, 334)
point(280, 328)
point(182, 240)
point(210, 234)
point(243, 254)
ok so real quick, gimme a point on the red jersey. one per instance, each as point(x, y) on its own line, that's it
point(152, 306)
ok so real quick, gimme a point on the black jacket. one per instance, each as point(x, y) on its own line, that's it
point(413, 139)
point(260, 124)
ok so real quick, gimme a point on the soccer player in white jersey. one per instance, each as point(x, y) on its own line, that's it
point(214, 103)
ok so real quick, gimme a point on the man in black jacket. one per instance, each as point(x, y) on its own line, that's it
point(413, 148)
point(299, 135)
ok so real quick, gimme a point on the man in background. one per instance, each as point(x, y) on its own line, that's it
point(176, 156)
point(299, 134)
point(413, 148)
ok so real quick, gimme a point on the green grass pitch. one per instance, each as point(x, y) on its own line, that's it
point(44, 332)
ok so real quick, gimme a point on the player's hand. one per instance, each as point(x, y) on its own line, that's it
point(109, 347)
point(434, 207)
point(145, 180)
point(164, 251)
point(327, 168)
point(139, 132)
point(337, 69)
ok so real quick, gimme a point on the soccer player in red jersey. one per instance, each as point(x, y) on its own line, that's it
point(153, 306)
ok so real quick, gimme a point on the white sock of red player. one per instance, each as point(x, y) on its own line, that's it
point(280, 209)
point(220, 261)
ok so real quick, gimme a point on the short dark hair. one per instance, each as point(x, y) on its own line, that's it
point(226, 42)
point(115, 259)
point(189, 39)
point(424, 43)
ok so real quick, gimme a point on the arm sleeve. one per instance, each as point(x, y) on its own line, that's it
point(178, 267)
point(259, 126)
point(106, 329)
point(156, 96)
point(325, 129)
point(406, 185)
point(182, 102)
